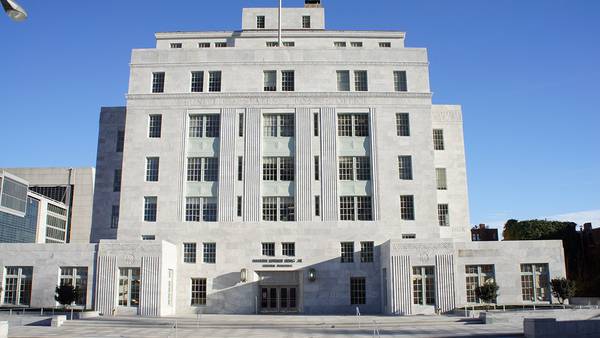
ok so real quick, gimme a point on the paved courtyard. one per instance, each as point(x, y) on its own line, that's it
point(270, 326)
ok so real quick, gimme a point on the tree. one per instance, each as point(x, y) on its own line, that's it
point(66, 294)
point(488, 292)
point(536, 229)
point(563, 289)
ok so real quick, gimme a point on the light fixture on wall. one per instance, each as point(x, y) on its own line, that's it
point(243, 275)
point(14, 11)
point(312, 275)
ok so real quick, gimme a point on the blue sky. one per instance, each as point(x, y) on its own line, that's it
point(526, 72)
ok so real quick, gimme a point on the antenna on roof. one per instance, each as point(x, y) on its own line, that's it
point(312, 3)
point(279, 44)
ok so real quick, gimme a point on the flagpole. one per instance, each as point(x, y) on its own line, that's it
point(279, 32)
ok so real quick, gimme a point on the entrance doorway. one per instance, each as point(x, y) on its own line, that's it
point(279, 299)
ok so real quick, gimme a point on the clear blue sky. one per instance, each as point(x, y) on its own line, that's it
point(526, 72)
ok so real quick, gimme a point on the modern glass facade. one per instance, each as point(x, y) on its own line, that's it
point(15, 229)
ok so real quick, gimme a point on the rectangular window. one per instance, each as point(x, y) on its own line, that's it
point(192, 209)
point(356, 44)
point(385, 44)
point(150, 208)
point(280, 125)
point(535, 282)
point(477, 275)
point(114, 217)
point(358, 291)
point(158, 82)
point(220, 44)
point(400, 84)
point(197, 82)
point(204, 45)
point(152, 168)
point(278, 209)
point(405, 167)
point(196, 123)
point(200, 209)
point(209, 209)
point(270, 80)
point(443, 215)
point(289, 44)
point(353, 125)
point(240, 169)
point(189, 253)
point(76, 277)
point(288, 249)
point(316, 124)
point(214, 81)
point(347, 252)
point(272, 44)
point(210, 253)
point(269, 168)
point(438, 139)
point(17, 285)
point(364, 208)
point(317, 168)
point(198, 296)
point(287, 81)
point(361, 125)
point(212, 125)
point(346, 168)
point(354, 167)
point(260, 22)
point(269, 209)
point(339, 44)
point(409, 236)
point(361, 83)
point(343, 81)
point(366, 252)
point(402, 124)
point(423, 285)
point(306, 21)
point(347, 212)
point(239, 206)
point(268, 249)
point(120, 141)
point(155, 126)
point(117, 180)
point(441, 178)
point(344, 125)
point(286, 209)
point(129, 287)
point(407, 207)
point(203, 169)
point(241, 125)
point(286, 169)
point(318, 206)
point(176, 45)
point(363, 168)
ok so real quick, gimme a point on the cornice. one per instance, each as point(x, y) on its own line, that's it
point(282, 63)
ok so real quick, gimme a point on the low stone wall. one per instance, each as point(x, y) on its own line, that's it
point(58, 321)
point(551, 328)
point(584, 301)
point(517, 317)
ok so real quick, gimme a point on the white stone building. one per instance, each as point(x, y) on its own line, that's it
point(315, 177)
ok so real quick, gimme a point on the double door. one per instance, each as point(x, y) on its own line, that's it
point(279, 299)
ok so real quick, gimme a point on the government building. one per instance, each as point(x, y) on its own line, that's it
point(293, 170)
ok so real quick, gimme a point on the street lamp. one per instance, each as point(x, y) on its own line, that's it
point(14, 11)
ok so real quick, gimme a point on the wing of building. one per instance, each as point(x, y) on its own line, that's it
point(312, 175)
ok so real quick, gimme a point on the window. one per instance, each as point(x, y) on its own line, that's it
point(343, 81)
point(339, 44)
point(306, 21)
point(189, 253)
point(198, 296)
point(278, 209)
point(407, 207)
point(152, 166)
point(272, 166)
point(400, 84)
point(129, 287)
point(77, 277)
point(286, 171)
point(120, 141)
point(239, 206)
point(155, 126)
point(220, 44)
point(240, 168)
point(241, 125)
point(354, 167)
point(17, 285)
point(204, 45)
point(197, 82)
point(114, 217)
point(203, 169)
point(535, 282)
point(347, 212)
point(364, 208)
point(150, 208)
point(361, 81)
point(363, 168)
point(441, 179)
point(210, 253)
point(317, 168)
point(205, 125)
point(443, 215)
point(356, 44)
point(268, 249)
point(358, 291)
point(317, 206)
point(402, 124)
point(148, 237)
point(200, 209)
point(405, 167)
point(158, 82)
point(270, 78)
point(409, 236)
point(117, 180)
point(176, 45)
point(275, 125)
point(438, 139)
point(287, 81)
point(289, 44)
point(214, 81)
point(477, 275)
point(347, 252)
point(272, 44)
point(288, 249)
point(353, 125)
point(423, 285)
point(316, 124)
point(385, 44)
point(366, 252)
point(260, 22)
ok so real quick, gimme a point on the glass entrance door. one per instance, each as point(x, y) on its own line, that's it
point(279, 299)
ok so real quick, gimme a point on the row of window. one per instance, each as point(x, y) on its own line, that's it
point(360, 81)
point(209, 255)
point(337, 44)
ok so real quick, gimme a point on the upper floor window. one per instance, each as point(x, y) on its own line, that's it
point(272, 44)
point(278, 209)
point(278, 168)
point(204, 169)
point(400, 83)
point(438, 139)
point(353, 125)
point(306, 21)
point(343, 80)
point(407, 207)
point(356, 44)
point(402, 124)
point(279, 125)
point(203, 44)
point(220, 44)
point(152, 166)
point(270, 80)
point(289, 44)
point(114, 217)
point(120, 141)
point(353, 208)
point(214, 81)
point(339, 44)
point(117, 180)
point(155, 126)
point(385, 44)
point(361, 82)
point(150, 208)
point(442, 182)
point(268, 249)
point(199, 209)
point(260, 22)
point(158, 82)
point(354, 168)
point(405, 167)
point(443, 215)
point(176, 45)
point(287, 81)
point(210, 253)
point(347, 252)
point(197, 82)
point(535, 282)
point(288, 249)
point(189, 253)
point(205, 125)
point(366, 252)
